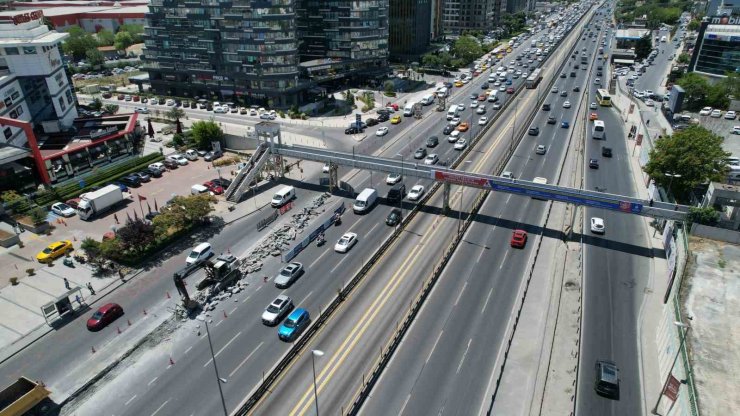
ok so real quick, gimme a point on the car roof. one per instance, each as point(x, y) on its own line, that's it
point(296, 314)
point(58, 243)
point(107, 307)
point(281, 299)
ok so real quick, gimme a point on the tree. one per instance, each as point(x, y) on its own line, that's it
point(731, 84)
point(643, 47)
point(182, 212)
point(105, 37)
point(695, 154)
point(693, 25)
point(94, 57)
point(110, 108)
point(684, 58)
point(389, 88)
point(175, 114)
point(136, 235)
point(96, 104)
point(205, 132)
point(696, 88)
point(123, 40)
point(705, 216)
point(717, 96)
point(430, 60)
point(134, 30)
point(92, 250)
point(78, 42)
point(467, 48)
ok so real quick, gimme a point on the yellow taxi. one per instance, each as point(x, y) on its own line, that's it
point(458, 84)
point(463, 126)
point(54, 250)
point(395, 119)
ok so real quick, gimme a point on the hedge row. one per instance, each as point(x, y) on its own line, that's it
point(99, 177)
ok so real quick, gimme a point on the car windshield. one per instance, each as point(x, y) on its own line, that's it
point(97, 315)
point(273, 309)
point(285, 272)
point(47, 250)
point(344, 240)
point(63, 206)
point(289, 323)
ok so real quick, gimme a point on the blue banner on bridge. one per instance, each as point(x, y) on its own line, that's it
point(624, 206)
point(290, 254)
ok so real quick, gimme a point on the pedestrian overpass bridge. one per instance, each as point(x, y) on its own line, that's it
point(272, 147)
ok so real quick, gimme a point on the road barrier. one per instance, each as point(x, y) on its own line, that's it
point(290, 254)
point(263, 223)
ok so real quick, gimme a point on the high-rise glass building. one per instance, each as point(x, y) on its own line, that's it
point(464, 15)
point(410, 28)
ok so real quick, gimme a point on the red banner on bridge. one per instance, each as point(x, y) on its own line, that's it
point(460, 179)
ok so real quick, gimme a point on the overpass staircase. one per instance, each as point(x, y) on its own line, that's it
point(246, 174)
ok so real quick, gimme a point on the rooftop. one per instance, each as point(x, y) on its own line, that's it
point(87, 132)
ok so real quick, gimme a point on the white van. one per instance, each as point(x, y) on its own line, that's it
point(283, 196)
point(191, 155)
point(428, 99)
point(408, 110)
point(198, 189)
point(599, 130)
point(493, 96)
point(365, 201)
point(200, 253)
point(452, 112)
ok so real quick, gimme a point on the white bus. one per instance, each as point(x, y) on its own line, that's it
point(598, 131)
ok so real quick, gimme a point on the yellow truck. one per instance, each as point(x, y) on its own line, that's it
point(24, 397)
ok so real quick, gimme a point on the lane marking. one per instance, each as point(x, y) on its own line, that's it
point(246, 299)
point(152, 382)
point(160, 407)
point(188, 350)
point(504, 260)
point(130, 400)
point(310, 266)
point(462, 359)
point(459, 295)
point(434, 346)
point(245, 360)
point(233, 310)
point(222, 348)
point(400, 412)
point(486, 302)
point(303, 301)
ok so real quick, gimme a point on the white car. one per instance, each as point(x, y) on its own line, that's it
point(455, 121)
point(481, 110)
point(393, 178)
point(730, 115)
point(345, 243)
point(566, 104)
point(554, 90)
point(593, 106)
point(431, 159)
point(649, 103)
point(170, 103)
point(496, 106)
point(179, 159)
point(507, 175)
point(454, 136)
point(461, 144)
point(461, 107)
point(382, 131)
point(736, 130)
point(288, 275)
point(277, 310)
point(716, 114)
point(141, 110)
point(502, 88)
point(541, 149)
point(221, 110)
point(597, 81)
point(474, 104)
point(416, 192)
point(325, 169)
point(705, 111)
point(60, 208)
point(597, 225)
point(482, 121)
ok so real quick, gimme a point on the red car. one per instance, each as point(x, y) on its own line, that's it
point(120, 96)
point(213, 187)
point(518, 238)
point(510, 90)
point(104, 316)
point(395, 106)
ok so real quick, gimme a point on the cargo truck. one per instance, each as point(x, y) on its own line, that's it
point(93, 203)
point(24, 397)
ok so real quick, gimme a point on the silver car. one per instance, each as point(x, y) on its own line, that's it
point(277, 310)
point(288, 275)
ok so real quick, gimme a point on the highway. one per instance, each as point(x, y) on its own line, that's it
point(616, 271)
point(244, 347)
point(444, 364)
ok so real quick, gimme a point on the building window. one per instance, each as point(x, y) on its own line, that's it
point(59, 78)
point(29, 50)
point(62, 105)
point(7, 132)
point(11, 51)
point(70, 97)
point(15, 95)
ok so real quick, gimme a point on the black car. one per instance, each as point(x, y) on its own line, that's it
point(432, 141)
point(484, 86)
point(606, 151)
point(576, 66)
point(371, 122)
point(533, 131)
point(576, 89)
point(154, 173)
point(598, 73)
point(593, 163)
point(132, 181)
point(551, 120)
point(394, 217)
point(352, 130)
point(420, 153)
point(545, 107)
point(562, 75)
point(144, 176)
point(224, 183)
point(448, 129)
point(383, 117)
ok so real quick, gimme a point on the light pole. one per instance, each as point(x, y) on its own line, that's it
point(670, 181)
point(400, 200)
point(680, 326)
point(459, 211)
point(314, 354)
point(219, 380)
point(513, 126)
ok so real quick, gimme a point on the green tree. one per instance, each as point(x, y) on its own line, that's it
point(389, 87)
point(693, 25)
point(94, 57)
point(643, 47)
point(92, 250)
point(123, 40)
point(731, 84)
point(134, 30)
point(105, 37)
point(717, 96)
point(78, 42)
point(110, 108)
point(705, 216)
point(136, 235)
point(684, 58)
point(430, 60)
point(350, 98)
point(175, 114)
point(695, 154)
point(96, 104)
point(205, 132)
point(467, 48)
point(183, 212)
point(696, 88)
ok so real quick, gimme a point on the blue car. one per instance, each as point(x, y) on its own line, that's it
point(123, 187)
point(565, 124)
point(508, 82)
point(293, 326)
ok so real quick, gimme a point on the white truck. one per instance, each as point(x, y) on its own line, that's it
point(452, 112)
point(428, 99)
point(408, 110)
point(93, 203)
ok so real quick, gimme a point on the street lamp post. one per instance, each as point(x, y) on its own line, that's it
point(219, 380)
point(314, 354)
point(462, 193)
point(687, 328)
point(670, 181)
point(400, 200)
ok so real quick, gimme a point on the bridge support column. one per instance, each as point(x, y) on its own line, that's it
point(446, 198)
point(333, 176)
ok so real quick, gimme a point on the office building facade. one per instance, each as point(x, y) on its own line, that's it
point(459, 16)
point(717, 49)
point(410, 28)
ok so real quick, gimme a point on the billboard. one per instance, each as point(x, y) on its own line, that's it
point(615, 205)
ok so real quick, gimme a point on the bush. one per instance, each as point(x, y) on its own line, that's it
point(228, 160)
point(704, 216)
point(38, 215)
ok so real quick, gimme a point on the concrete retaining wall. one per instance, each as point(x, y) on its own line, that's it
point(714, 233)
